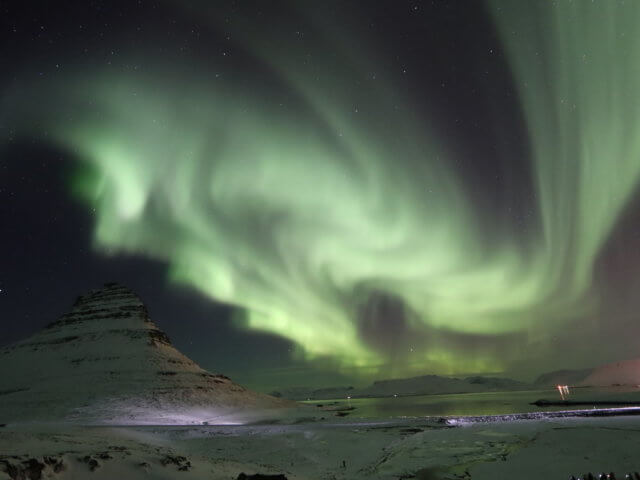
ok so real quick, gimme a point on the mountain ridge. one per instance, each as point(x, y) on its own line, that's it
point(105, 361)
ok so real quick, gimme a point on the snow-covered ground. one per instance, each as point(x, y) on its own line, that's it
point(334, 449)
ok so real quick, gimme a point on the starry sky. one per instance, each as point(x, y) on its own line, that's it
point(329, 193)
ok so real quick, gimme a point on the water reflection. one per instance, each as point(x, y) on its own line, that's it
point(488, 403)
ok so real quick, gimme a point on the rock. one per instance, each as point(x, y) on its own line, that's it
point(181, 462)
point(9, 469)
point(29, 469)
point(260, 476)
point(91, 462)
point(55, 463)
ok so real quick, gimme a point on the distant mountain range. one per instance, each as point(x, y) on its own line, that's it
point(563, 377)
point(623, 373)
point(422, 385)
point(107, 362)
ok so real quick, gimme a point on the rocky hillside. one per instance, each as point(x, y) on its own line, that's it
point(106, 362)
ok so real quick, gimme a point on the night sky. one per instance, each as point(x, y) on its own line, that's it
point(326, 193)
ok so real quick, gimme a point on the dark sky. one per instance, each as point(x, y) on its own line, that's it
point(326, 194)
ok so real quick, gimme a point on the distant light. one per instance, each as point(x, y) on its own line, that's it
point(564, 390)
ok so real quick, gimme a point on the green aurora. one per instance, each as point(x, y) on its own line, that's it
point(341, 222)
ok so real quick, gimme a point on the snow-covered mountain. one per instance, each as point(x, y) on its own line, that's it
point(563, 377)
point(626, 372)
point(106, 362)
point(622, 373)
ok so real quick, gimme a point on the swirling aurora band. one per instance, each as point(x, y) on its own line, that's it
point(356, 238)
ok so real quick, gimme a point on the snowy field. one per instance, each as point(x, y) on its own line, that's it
point(330, 449)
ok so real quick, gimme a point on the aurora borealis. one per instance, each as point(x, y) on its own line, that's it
point(305, 188)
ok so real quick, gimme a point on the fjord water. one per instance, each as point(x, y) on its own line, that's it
point(463, 404)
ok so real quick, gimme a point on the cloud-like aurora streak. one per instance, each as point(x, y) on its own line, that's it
point(575, 69)
point(357, 244)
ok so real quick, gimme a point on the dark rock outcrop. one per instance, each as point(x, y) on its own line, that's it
point(260, 476)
